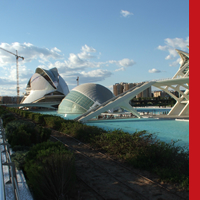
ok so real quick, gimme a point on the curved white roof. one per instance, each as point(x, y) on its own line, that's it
point(44, 82)
point(95, 92)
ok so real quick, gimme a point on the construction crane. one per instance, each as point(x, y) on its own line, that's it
point(77, 80)
point(17, 57)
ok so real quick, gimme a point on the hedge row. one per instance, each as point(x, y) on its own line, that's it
point(22, 133)
point(48, 166)
point(76, 129)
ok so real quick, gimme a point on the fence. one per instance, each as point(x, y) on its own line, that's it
point(11, 168)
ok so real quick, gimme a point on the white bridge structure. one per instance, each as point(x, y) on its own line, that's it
point(180, 80)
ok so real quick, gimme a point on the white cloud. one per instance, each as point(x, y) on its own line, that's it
point(125, 13)
point(5, 81)
point(28, 51)
point(154, 70)
point(176, 62)
point(88, 49)
point(86, 77)
point(81, 64)
point(126, 62)
point(120, 69)
point(172, 45)
point(9, 77)
point(96, 73)
point(75, 60)
point(85, 55)
point(56, 49)
point(8, 90)
point(122, 63)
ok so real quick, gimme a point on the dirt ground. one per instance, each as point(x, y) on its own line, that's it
point(99, 177)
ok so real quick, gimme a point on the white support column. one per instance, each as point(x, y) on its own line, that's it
point(185, 110)
point(128, 107)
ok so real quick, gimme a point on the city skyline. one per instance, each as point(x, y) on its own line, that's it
point(101, 42)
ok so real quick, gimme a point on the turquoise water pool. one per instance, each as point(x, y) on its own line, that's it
point(166, 130)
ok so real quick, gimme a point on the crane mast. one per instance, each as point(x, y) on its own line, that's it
point(17, 73)
point(77, 80)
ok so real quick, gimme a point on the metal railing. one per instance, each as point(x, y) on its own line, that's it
point(2, 188)
point(11, 167)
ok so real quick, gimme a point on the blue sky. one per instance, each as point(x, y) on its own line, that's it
point(101, 41)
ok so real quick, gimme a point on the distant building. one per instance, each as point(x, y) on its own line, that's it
point(161, 93)
point(9, 99)
point(145, 93)
point(119, 88)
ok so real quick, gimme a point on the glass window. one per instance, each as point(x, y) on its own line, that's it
point(67, 106)
point(80, 99)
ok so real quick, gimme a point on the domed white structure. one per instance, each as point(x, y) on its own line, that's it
point(84, 97)
point(45, 86)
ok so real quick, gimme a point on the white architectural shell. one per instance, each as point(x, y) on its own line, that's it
point(84, 97)
point(45, 86)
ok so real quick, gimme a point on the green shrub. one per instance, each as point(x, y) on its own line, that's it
point(80, 131)
point(40, 147)
point(86, 133)
point(24, 113)
point(50, 170)
point(53, 121)
point(20, 137)
point(16, 128)
point(25, 133)
point(38, 118)
point(145, 151)
point(2, 110)
point(7, 117)
point(31, 115)
point(43, 134)
point(19, 159)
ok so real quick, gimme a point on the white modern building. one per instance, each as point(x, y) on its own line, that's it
point(45, 86)
point(84, 97)
point(179, 82)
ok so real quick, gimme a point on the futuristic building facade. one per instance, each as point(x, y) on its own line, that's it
point(45, 86)
point(84, 97)
point(178, 81)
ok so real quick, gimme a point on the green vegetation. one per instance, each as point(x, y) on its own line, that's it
point(144, 151)
point(25, 133)
point(48, 166)
point(153, 101)
point(140, 149)
point(50, 169)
